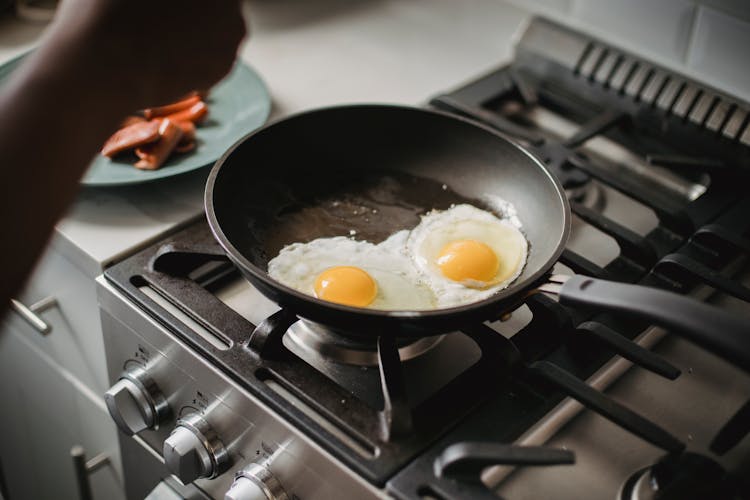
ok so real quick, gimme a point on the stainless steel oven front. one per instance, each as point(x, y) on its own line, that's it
point(191, 422)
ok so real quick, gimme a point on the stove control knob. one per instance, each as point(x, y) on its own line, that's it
point(135, 402)
point(193, 450)
point(256, 482)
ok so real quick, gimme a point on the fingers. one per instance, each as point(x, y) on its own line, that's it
point(156, 51)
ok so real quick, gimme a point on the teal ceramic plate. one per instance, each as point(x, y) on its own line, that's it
point(238, 104)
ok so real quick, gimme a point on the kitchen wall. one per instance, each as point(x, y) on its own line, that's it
point(707, 39)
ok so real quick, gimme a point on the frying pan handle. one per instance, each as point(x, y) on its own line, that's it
point(713, 329)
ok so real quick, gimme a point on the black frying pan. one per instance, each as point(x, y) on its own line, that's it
point(375, 169)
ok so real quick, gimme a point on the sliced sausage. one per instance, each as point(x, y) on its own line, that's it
point(152, 156)
point(132, 136)
point(169, 109)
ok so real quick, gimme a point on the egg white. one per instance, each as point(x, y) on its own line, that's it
point(399, 285)
point(465, 222)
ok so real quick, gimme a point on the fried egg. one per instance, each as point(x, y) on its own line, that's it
point(354, 273)
point(465, 254)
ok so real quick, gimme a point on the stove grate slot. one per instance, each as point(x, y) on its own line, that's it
point(688, 271)
point(581, 265)
point(176, 260)
point(629, 350)
point(494, 344)
point(712, 232)
point(587, 51)
point(329, 423)
point(213, 337)
point(596, 126)
point(669, 213)
point(632, 245)
point(690, 163)
point(465, 461)
point(606, 407)
point(733, 431)
point(608, 68)
point(729, 233)
point(495, 120)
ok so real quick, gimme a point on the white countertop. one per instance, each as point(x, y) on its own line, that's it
point(310, 54)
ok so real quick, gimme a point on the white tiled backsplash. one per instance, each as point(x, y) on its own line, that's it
point(707, 39)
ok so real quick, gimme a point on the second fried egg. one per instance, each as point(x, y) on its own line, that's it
point(465, 254)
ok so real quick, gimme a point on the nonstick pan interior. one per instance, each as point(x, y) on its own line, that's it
point(374, 170)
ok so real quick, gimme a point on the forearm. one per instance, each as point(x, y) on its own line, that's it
point(51, 125)
point(99, 61)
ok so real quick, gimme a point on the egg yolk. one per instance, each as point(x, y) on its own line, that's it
point(465, 260)
point(346, 285)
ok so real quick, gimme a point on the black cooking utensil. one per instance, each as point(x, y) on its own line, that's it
point(375, 169)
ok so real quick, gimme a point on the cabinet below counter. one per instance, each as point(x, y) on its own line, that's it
point(54, 374)
point(47, 410)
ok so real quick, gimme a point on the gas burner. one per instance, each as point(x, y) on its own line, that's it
point(306, 338)
point(684, 476)
point(428, 363)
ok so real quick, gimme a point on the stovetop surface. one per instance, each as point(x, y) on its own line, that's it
point(658, 197)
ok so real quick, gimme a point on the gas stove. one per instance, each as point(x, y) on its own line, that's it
point(216, 386)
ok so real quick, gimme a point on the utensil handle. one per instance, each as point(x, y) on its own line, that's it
point(84, 469)
point(718, 331)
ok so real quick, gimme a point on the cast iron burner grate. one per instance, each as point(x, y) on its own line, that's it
point(438, 447)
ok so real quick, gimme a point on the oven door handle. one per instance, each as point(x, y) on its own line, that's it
point(30, 314)
point(84, 468)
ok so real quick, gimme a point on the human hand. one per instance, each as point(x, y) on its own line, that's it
point(148, 52)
